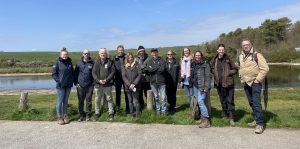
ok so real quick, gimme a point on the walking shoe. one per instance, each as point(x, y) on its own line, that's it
point(205, 123)
point(60, 121)
point(111, 117)
point(252, 124)
point(232, 123)
point(88, 118)
point(259, 129)
point(81, 119)
point(66, 120)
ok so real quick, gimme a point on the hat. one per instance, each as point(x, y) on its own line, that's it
point(141, 48)
point(154, 50)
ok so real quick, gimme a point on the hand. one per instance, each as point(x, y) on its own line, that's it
point(131, 86)
point(77, 85)
point(256, 81)
point(102, 82)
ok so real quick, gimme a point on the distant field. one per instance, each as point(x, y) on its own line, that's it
point(41, 62)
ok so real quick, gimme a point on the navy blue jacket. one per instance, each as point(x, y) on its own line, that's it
point(63, 73)
point(83, 73)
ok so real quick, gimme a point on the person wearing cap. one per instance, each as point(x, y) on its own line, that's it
point(142, 58)
point(103, 74)
point(63, 74)
point(119, 63)
point(156, 67)
point(172, 81)
point(84, 84)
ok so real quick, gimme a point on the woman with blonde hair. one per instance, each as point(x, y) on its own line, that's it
point(185, 72)
point(131, 74)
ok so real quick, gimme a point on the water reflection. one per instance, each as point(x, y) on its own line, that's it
point(279, 76)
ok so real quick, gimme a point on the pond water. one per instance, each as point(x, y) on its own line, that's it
point(279, 76)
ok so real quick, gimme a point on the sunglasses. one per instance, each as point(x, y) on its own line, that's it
point(169, 54)
point(85, 53)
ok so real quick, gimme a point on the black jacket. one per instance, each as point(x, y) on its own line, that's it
point(157, 70)
point(103, 71)
point(119, 63)
point(63, 73)
point(83, 73)
point(142, 62)
point(132, 75)
point(172, 74)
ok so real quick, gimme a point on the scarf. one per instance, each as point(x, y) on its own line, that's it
point(185, 67)
point(127, 65)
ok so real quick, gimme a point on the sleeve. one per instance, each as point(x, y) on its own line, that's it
point(124, 77)
point(233, 68)
point(263, 67)
point(112, 73)
point(207, 76)
point(138, 78)
point(94, 72)
point(55, 72)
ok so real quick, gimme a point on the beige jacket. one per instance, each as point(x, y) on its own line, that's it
point(250, 70)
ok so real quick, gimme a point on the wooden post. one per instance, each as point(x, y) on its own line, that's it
point(208, 102)
point(23, 101)
point(149, 100)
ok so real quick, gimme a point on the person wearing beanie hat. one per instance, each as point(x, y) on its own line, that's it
point(141, 48)
point(142, 58)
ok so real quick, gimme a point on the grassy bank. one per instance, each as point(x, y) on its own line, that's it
point(283, 110)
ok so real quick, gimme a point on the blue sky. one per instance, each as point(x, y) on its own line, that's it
point(48, 25)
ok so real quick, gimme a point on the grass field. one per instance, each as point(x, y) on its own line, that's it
point(283, 110)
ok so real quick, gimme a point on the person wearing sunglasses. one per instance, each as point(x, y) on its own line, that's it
point(172, 76)
point(84, 84)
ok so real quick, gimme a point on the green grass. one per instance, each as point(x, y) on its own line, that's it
point(283, 110)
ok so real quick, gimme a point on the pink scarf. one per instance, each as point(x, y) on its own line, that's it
point(185, 67)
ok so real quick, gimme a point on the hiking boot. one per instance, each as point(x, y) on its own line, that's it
point(205, 123)
point(111, 117)
point(232, 123)
point(60, 121)
point(81, 119)
point(259, 129)
point(252, 124)
point(66, 120)
point(88, 118)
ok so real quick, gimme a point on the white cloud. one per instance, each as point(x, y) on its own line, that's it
point(180, 31)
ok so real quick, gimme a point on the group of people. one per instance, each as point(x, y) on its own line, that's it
point(138, 73)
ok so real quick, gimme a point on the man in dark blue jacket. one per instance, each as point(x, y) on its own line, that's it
point(119, 63)
point(84, 84)
point(156, 67)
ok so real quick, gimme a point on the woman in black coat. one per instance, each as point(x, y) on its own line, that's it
point(131, 74)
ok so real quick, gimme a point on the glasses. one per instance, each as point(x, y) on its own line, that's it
point(85, 53)
point(169, 54)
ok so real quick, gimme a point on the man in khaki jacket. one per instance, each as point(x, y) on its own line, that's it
point(253, 70)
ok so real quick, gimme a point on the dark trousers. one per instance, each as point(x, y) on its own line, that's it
point(85, 93)
point(253, 94)
point(145, 86)
point(133, 98)
point(226, 95)
point(171, 96)
point(118, 85)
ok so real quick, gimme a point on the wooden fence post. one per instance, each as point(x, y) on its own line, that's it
point(23, 101)
point(149, 100)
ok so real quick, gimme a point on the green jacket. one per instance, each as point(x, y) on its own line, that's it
point(103, 71)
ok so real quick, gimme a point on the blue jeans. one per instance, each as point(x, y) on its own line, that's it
point(200, 95)
point(62, 101)
point(189, 91)
point(253, 95)
point(161, 89)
